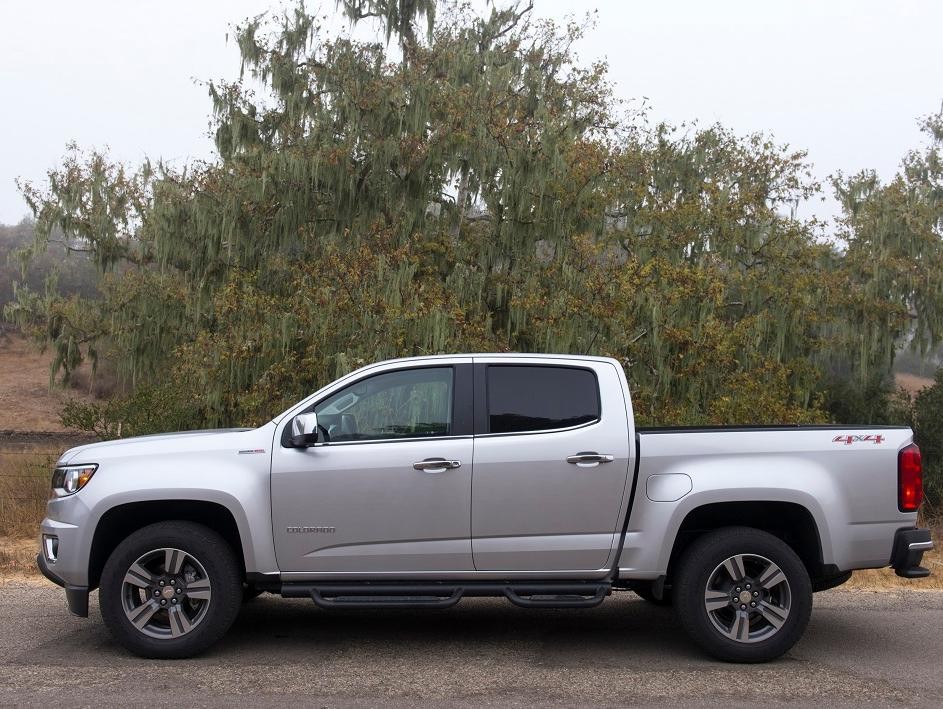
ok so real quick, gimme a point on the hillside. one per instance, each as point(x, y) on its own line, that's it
point(911, 382)
point(27, 403)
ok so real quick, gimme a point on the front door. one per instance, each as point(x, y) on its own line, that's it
point(552, 458)
point(389, 489)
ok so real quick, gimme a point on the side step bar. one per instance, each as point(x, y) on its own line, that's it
point(382, 601)
point(539, 596)
point(444, 595)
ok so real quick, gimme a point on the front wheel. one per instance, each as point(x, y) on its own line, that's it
point(170, 590)
point(743, 595)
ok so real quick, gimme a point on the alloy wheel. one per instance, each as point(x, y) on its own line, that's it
point(747, 598)
point(166, 593)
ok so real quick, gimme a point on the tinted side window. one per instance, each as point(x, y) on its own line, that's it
point(522, 398)
point(409, 403)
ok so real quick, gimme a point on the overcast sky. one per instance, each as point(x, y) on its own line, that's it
point(846, 80)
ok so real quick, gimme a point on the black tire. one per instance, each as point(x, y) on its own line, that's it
point(643, 589)
point(758, 638)
point(207, 553)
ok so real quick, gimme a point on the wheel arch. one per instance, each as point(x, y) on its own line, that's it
point(791, 522)
point(122, 520)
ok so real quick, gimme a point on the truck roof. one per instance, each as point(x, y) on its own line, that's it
point(500, 355)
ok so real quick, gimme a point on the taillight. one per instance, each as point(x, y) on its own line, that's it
point(909, 479)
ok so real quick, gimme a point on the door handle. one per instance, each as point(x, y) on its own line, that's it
point(437, 465)
point(589, 460)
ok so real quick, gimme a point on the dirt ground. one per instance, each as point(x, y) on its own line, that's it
point(911, 382)
point(27, 403)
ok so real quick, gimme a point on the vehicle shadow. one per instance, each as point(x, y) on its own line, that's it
point(482, 651)
point(624, 632)
point(609, 635)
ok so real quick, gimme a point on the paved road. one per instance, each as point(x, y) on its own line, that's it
point(879, 648)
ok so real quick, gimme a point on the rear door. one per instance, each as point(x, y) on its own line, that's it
point(551, 464)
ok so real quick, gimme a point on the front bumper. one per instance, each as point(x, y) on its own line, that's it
point(909, 546)
point(76, 596)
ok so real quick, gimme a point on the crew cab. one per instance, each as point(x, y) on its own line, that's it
point(419, 482)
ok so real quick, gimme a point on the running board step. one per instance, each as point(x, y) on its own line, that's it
point(372, 601)
point(445, 595)
point(533, 597)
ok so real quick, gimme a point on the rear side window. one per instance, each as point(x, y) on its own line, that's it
point(525, 398)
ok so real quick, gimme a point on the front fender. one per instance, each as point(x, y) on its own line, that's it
point(233, 473)
point(229, 501)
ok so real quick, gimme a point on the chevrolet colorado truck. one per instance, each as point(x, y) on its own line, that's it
point(418, 482)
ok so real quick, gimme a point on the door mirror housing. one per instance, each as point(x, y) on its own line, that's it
point(304, 430)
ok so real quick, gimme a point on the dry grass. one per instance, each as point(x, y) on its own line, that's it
point(18, 557)
point(25, 469)
point(24, 489)
point(28, 404)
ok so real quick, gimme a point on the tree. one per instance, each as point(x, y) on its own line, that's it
point(893, 267)
point(482, 191)
point(69, 268)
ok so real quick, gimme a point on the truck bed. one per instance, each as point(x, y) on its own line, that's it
point(844, 476)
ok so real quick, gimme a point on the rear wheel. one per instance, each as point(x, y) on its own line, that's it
point(743, 595)
point(170, 590)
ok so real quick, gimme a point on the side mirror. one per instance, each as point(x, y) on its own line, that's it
point(304, 430)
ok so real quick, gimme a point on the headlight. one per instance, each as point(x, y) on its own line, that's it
point(69, 479)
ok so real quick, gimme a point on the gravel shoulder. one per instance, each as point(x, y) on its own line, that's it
point(860, 648)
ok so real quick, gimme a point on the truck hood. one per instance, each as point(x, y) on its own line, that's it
point(158, 443)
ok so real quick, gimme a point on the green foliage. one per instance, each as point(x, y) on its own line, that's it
point(922, 414)
point(874, 402)
point(892, 265)
point(483, 192)
point(928, 433)
point(149, 409)
point(396, 16)
point(46, 291)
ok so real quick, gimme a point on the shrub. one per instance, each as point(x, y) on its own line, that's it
point(928, 433)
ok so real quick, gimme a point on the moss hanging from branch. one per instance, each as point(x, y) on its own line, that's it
point(481, 190)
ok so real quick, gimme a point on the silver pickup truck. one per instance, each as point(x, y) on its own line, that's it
point(418, 482)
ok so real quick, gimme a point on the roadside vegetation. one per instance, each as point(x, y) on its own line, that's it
point(25, 469)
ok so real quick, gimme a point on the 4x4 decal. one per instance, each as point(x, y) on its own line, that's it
point(867, 438)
